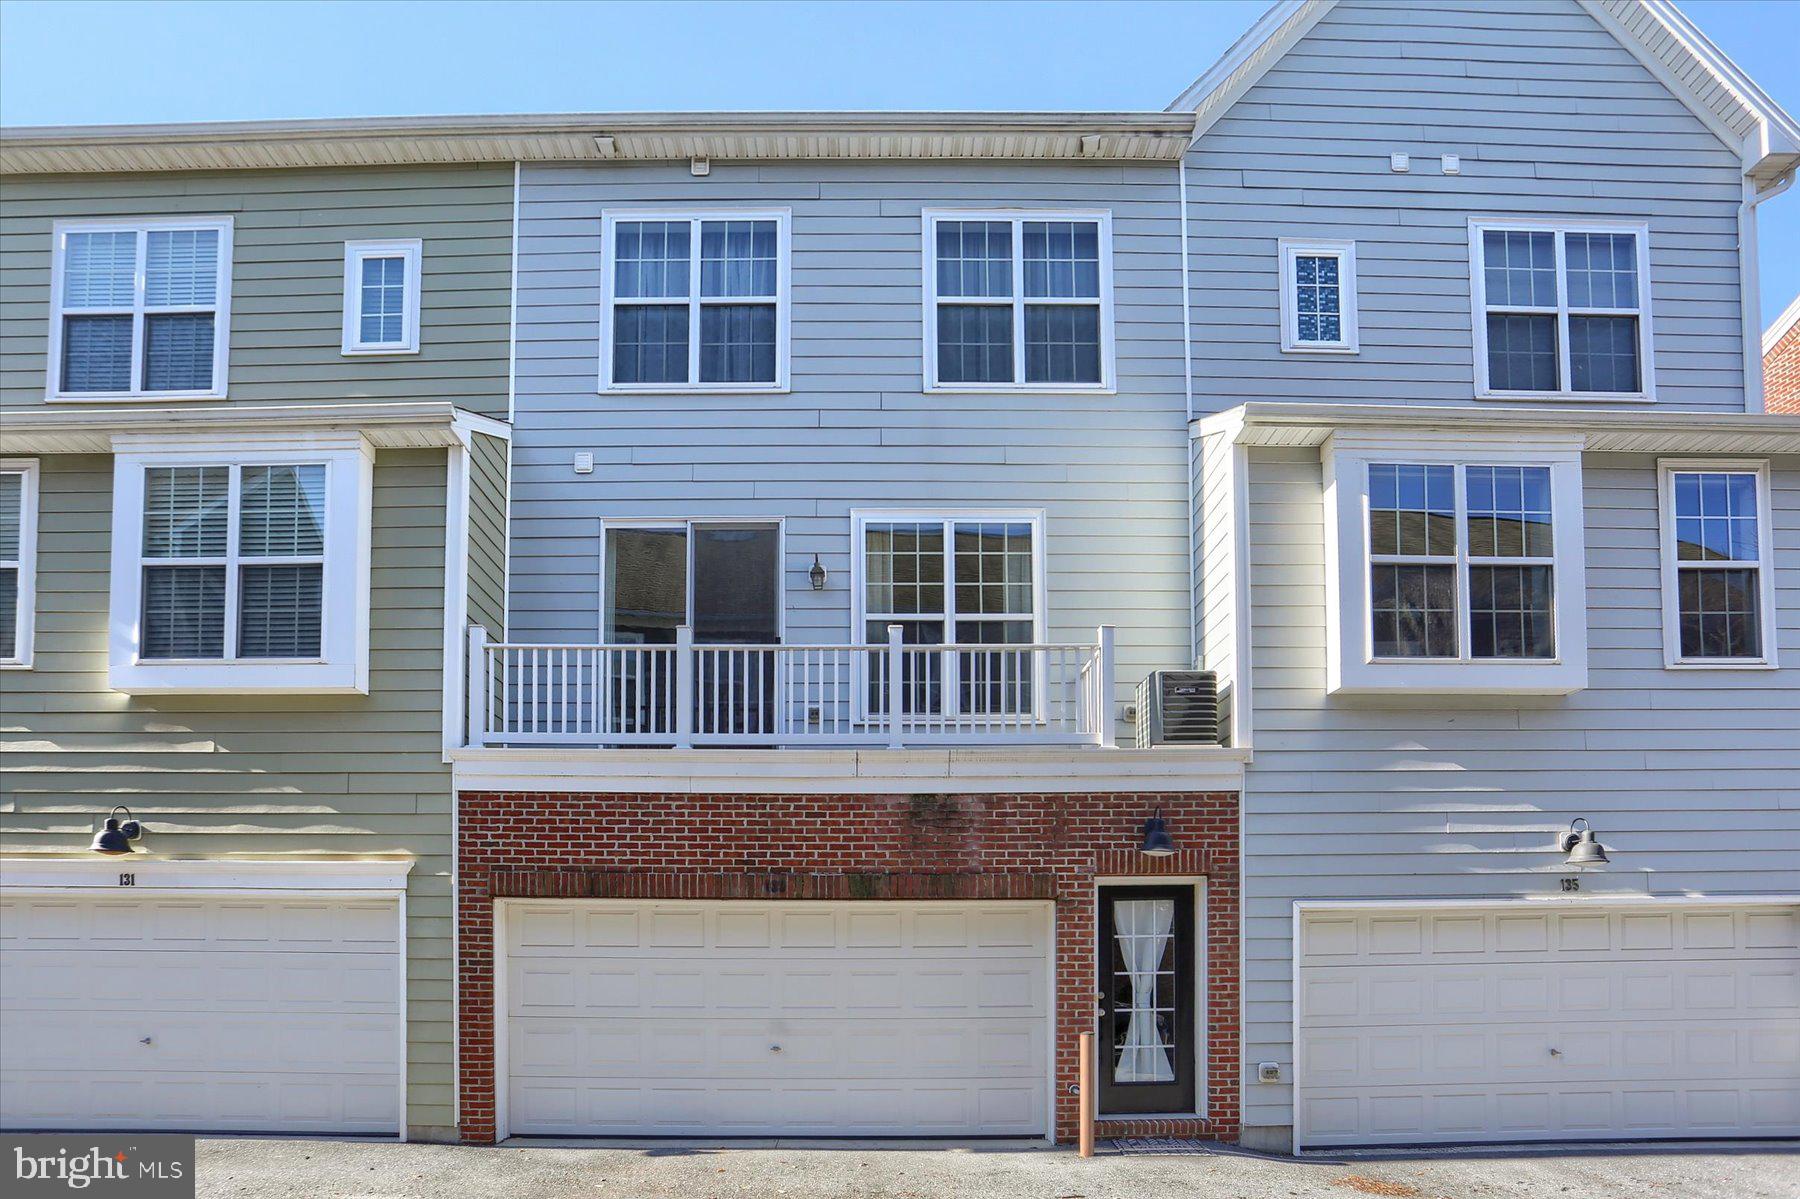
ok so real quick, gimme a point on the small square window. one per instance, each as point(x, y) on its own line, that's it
point(381, 296)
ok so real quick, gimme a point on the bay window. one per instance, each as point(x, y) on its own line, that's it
point(139, 309)
point(18, 559)
point(241, 571)
point(1455, 572)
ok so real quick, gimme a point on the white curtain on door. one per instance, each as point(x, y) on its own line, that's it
point(1143, 929)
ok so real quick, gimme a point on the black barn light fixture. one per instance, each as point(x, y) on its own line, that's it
point(1157, 842)
point(116, 837)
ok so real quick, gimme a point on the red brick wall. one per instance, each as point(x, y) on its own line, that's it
point(852, 847)
point(1781, 374)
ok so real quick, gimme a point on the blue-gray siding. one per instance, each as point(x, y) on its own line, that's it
point(1551, 116)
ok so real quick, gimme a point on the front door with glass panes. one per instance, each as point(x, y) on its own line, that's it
point(954, 581)
point(722, 580)
point(1147, 1001)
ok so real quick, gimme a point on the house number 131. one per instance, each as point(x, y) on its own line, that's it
point(128, 880)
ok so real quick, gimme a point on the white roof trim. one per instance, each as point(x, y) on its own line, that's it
point(153, 872)
point(66, 430)
point(1658, 33)
point(1783, 323)
point(599, 137)
point(1635, 431)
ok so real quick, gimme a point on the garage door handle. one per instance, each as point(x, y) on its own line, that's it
point(1556, 1053)
point(774, 1049)
point(143, 1040)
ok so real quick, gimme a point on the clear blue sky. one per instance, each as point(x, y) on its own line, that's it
point(224, 60)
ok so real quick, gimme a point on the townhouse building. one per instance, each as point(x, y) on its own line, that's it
point(252, 409)
point(723, 696)
point(1497, 544)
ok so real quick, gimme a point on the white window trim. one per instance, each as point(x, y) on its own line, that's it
point(409, 249)
point(862, 518)
point(221, 310)
point(1351, 666)
point(1666, 470)
point(1292, 248)
point(929, 218)
point(343, 666)
point(26, 615)
point(687, 524)
point(1478, 309)
point(783, 218)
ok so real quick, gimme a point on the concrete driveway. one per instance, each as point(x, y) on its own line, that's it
point(318, 1169)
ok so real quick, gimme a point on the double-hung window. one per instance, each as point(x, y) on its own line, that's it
point(1318, 296)
point(953, 579)
point(241, 571)
point(1018, 301)
point(18, 559)
point(1718, 579)
point(1457, 573)
point(695, 301)
point(139, 309)
point(381, 296)
point(1562, 309)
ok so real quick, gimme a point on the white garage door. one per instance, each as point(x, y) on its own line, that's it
point(821, 1019)
point(1528, 1023)
point(251, 1014)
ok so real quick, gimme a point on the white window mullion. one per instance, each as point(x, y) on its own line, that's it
point(233, 508)
point(1464, 602)
point(1018, 300)
point(1565, 371)
point(694, 236)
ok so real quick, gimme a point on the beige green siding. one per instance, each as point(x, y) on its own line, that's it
point(248, 774)
point(488, 458)
point(287, 277)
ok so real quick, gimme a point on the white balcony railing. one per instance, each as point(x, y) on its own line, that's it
point(894, 695)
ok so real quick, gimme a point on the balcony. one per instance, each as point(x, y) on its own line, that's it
point(691, 696)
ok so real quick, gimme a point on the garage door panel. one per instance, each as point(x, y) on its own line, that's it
point(1664, 1022)
point(764, 1017)
point(260, 1014)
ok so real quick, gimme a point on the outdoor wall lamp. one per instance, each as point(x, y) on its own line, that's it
point(116, 837)
point(1580, 845)
point(817, 574)
point(1157, 842)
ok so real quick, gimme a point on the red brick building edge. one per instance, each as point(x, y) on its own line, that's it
point(1055, 847)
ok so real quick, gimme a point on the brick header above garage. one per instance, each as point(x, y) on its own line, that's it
point(1056, 847)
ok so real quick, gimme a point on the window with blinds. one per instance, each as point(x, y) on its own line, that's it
point(233, 562)
point(18, 534)
point(381, 296)
point(140, 309)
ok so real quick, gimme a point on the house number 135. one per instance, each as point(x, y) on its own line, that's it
point(1571, 884)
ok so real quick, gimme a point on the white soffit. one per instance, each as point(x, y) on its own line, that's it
point(1775, 332)
point(388, 426)
point(597, 137)
point(1307, 425)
